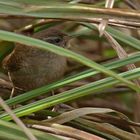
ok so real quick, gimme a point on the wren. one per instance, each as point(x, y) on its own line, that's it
point(30, 67)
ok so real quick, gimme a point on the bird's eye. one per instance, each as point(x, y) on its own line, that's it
point(53, 40)
point(57, 39)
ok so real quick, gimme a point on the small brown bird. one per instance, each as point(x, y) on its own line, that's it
point(30, 67)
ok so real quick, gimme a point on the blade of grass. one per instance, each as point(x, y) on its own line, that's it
point(37, 92)
point(8, 36)
point(78, 12)
point(71, 94)
point(17, 120)
point(120, 36)
point(10, 131)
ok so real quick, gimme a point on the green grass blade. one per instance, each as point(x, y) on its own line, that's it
point(8, 36)
point(71, 94)
point(37, 92)
point(10, 131)
point(120, 36)
point(78, 12)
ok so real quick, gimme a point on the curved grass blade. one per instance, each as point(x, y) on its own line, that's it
point(120, 36)
point(10, 131)
point(76, 113)
point(78, 12)
point(37, 92)
point(8, 36)
point(71, 94)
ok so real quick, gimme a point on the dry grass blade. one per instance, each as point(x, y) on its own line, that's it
point(67, 132)
point(5, 84)
point(122, 54)
point(93, 95)
point(70, 115)
point(104, 22)
point(17, 120)
point(119, 50)
point(133, 4)
point(109, 129)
